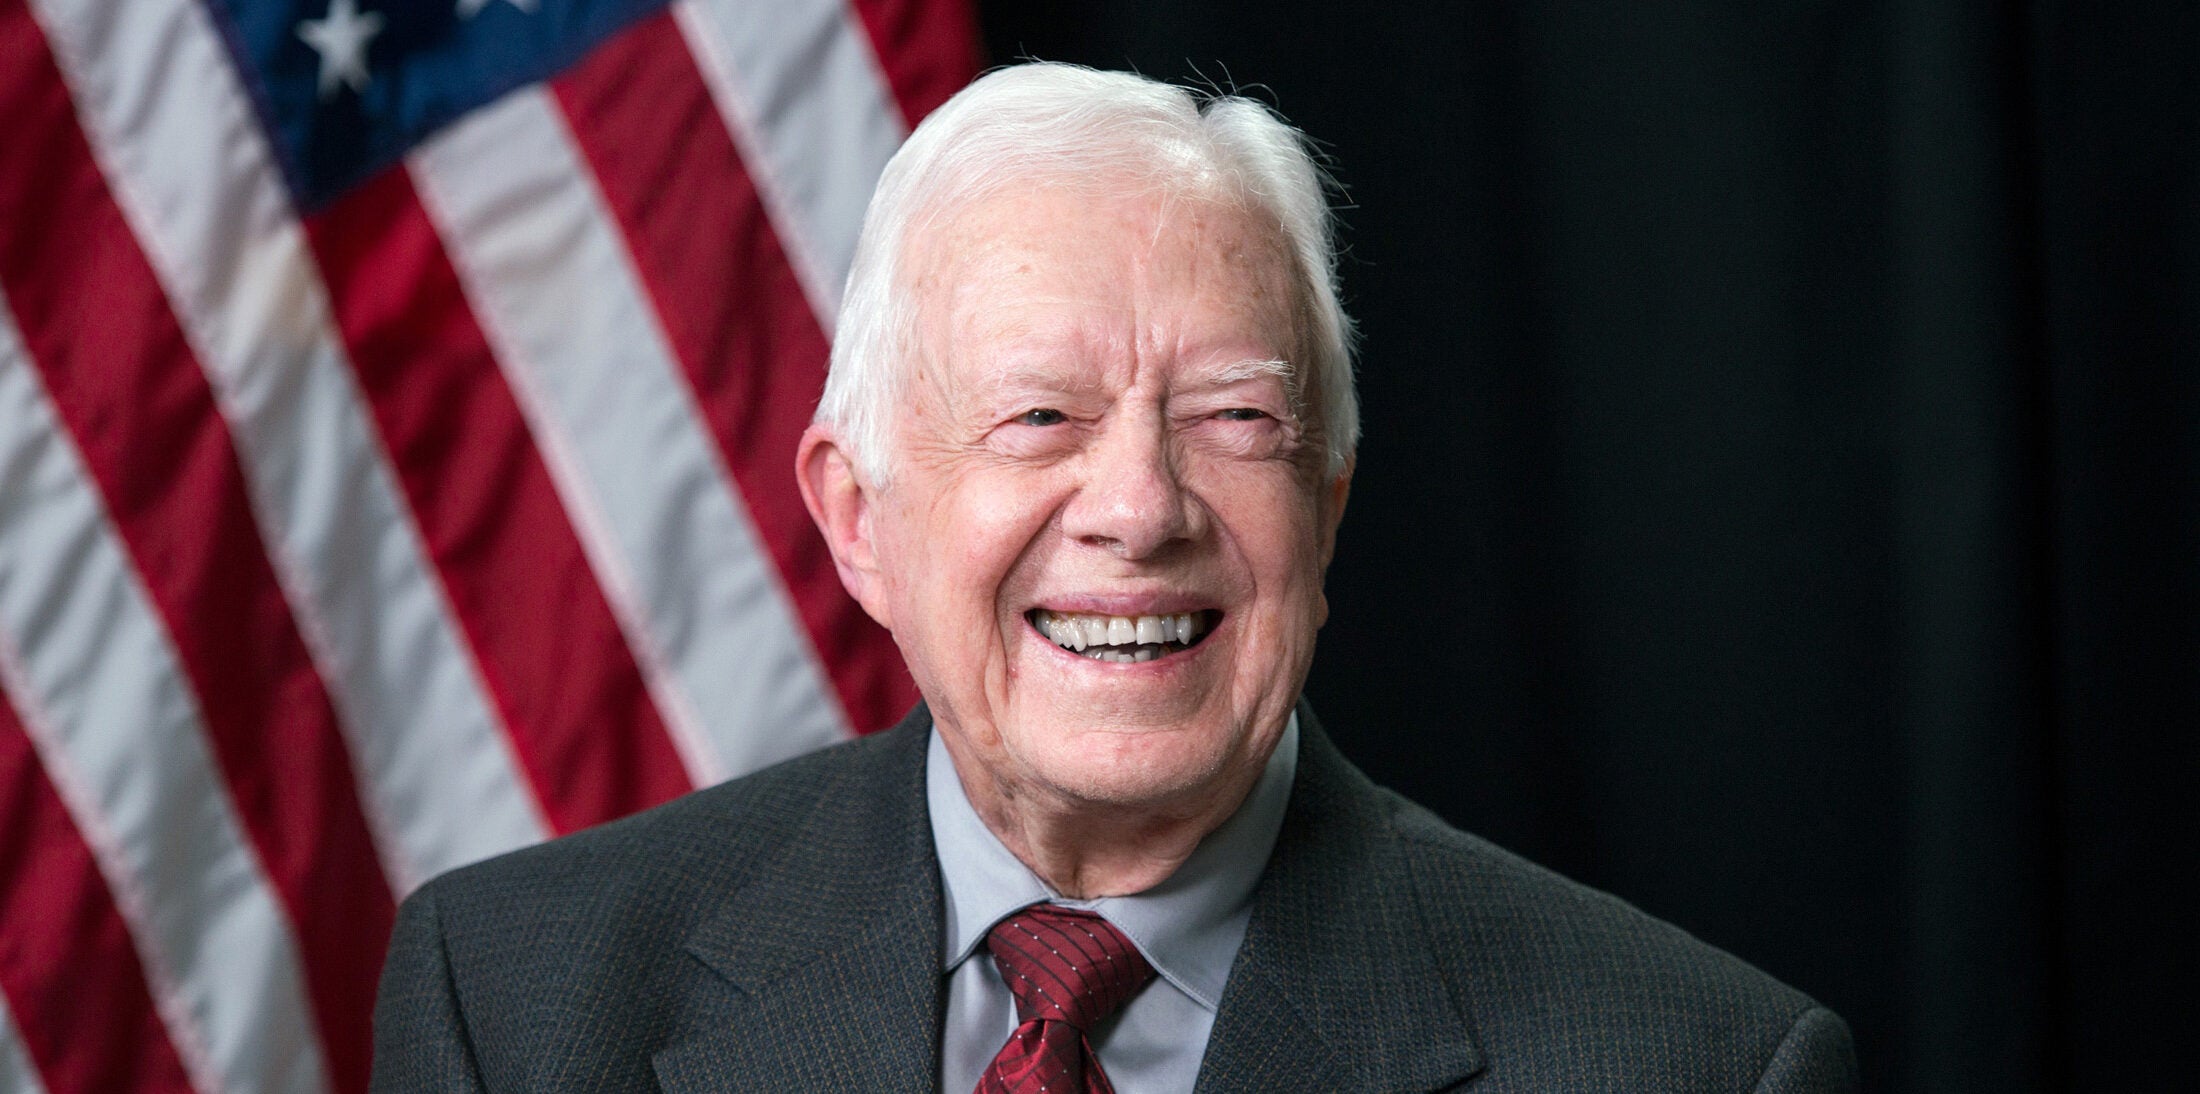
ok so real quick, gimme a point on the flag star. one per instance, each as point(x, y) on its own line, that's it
point(467, 9)
point(341, 39)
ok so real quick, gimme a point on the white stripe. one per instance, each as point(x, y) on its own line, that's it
point(192, 171)
point(17, 1074)
point(800, 89)
point(685, 569)
point(87, 662)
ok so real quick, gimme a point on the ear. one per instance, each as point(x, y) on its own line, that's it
point(842, 503)
point(1330, 507)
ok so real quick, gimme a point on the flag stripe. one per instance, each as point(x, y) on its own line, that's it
point(799, 92)
point(621, 433)
point(17, 1075)
point(88, 1019)
point(337, 551)
point(195, 175)
point(582, 721)
point(99, 690)
point(928, 50)
point(756, 357)
point(132, 394)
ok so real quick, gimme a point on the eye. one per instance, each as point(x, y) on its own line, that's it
point(1242, 414)
point(1042, 416)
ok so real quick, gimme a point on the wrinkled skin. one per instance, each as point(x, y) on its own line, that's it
point(1099, 420)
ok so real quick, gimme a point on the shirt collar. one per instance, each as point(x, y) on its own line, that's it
point(1188, 927)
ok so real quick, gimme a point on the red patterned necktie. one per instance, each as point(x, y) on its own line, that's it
point(1068, 970)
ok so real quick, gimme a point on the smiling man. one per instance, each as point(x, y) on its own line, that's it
point(1084, 449)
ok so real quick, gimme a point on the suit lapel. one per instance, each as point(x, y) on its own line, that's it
point(1335, 987)
point(822, 971)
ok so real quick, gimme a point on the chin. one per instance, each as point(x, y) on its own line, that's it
point(1146, 767)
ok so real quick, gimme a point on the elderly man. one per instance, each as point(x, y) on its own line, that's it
point(1084, 449)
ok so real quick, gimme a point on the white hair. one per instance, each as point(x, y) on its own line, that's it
point(1071, 124)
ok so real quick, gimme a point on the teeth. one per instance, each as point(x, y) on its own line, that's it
point(1141, 635)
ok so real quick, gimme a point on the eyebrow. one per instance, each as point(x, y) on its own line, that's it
point(1249, 369)
point(1028, 381)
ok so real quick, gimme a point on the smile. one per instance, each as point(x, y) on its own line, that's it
point(1123, 638)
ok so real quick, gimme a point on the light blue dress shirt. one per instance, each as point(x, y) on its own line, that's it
point(1188, 928)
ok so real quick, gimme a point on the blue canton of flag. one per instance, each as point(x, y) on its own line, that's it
point(349, 86)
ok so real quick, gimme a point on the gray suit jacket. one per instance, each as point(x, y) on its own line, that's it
point(782, 933)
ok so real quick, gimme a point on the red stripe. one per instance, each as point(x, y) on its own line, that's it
point(67, 966)
point(736, 318)
point(549, 647)
point(928, 49)
point(128, 387)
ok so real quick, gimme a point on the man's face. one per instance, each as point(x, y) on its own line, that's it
point(1100, 449)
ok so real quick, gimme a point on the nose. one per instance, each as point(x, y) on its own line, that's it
point(1132, 501)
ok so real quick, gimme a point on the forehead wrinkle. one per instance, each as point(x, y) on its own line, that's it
point(1251, 265)
point(1044, 328)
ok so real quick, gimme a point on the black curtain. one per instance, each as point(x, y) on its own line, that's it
point(1780, 501)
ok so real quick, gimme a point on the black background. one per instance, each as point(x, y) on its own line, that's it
point(1780, 501)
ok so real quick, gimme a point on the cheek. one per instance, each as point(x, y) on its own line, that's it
point(1270, 521)
point(976, 536)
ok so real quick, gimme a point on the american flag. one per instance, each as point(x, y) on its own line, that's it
point(398, 401)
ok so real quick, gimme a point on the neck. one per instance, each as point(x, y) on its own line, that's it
point(1087, 849)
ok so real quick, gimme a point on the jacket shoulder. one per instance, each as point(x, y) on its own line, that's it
point(1564, 981)
point(705, 841)
point(574, 953)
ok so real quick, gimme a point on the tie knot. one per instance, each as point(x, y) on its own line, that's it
point(1066, 965)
